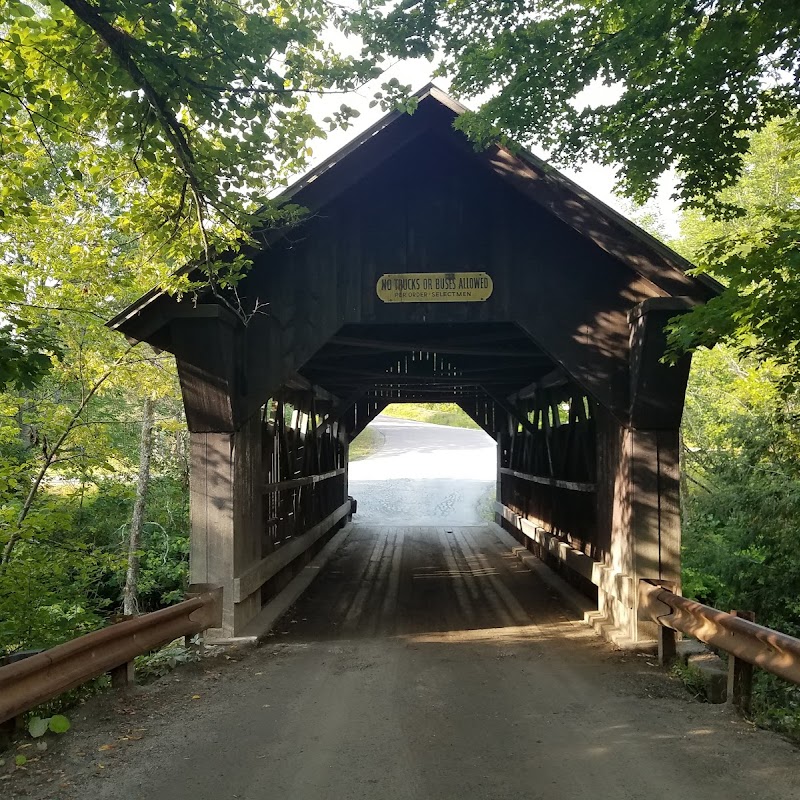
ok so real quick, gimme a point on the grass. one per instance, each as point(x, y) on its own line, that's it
point(691, 678)
point(437, 413)
point(365, 444)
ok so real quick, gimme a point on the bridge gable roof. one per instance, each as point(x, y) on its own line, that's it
point(530, 175)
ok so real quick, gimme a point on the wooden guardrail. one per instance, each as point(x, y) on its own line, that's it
point(557, 483)
point(256, 576)
point(308, 480)
point(546, 543)
point(744, 640)
point(27, 683)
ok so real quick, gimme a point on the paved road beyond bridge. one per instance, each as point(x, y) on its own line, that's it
point(422, 474)
point(425, 663)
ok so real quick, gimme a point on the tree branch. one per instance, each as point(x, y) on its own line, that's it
point(122, 45)
point(50, 458)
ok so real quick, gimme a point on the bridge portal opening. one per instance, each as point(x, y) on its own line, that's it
point(421, 473)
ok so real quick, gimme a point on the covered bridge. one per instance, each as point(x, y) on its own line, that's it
point(428, 271)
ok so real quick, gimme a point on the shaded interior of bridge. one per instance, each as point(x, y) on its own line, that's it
point(472, 364)
point(415, 580)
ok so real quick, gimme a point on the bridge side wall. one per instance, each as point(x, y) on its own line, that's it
point(628, 527)
point(226, 515)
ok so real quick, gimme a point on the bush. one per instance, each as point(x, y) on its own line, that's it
point(66, 579)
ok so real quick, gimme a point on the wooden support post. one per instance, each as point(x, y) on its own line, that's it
point(226, 491)
point(638, 491)
point(10, 729)
point(740, 674)
point(667, 646)
point(124, 676)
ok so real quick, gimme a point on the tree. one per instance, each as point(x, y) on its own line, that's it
point(186, 114)
point(756, 255)
point(694, 79)
point(67, 450)
point(130, 594)
point(693, 83)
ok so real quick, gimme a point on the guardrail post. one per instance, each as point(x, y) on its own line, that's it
point(123, 676)
point(667, 637)
point(10, 728)
point(667, 646)
point(740, 674)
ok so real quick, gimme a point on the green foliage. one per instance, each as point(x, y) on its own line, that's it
point(691, 678)
point(741, 501)
point(776, 705)
point(743, 471)
point(162, 661)
point(26, 346)
point(179, 119)
point(365, 444)
point(691, 80)
point(437, 413)
point(51, 588)
point(213, 93)
point(38, 727)
point(67, 579)
point(756, 256)
point(58, 723)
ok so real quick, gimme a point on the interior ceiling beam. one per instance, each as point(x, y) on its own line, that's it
point(513, 371)
point(428, 398)
point(298, 382)
point(474, 387)
point(557, 378)
point(419, 347)
point(439, 388)
point(444, 334)
point(400, 378)
point(327, 361)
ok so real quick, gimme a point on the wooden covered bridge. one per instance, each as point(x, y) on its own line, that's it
point(428, 271)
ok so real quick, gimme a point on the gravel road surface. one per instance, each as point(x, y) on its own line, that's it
point(424, 663)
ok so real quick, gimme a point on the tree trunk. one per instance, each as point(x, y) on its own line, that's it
point(131, 592)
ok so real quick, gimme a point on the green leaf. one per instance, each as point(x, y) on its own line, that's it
point(37, 727)
point(59, 724)
point(20, 760)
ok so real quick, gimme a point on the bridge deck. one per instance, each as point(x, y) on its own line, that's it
point(417, 580)
point(428, 665)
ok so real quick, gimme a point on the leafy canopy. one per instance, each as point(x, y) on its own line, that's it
point(694, 78)
point(168, 122)
point(757, 256)
point(189, 113)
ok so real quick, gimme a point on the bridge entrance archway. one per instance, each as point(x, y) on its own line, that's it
point(428, 271)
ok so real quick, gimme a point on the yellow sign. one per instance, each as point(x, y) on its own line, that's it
point(435, 287)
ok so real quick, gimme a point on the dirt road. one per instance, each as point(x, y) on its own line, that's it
point(425, 663)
